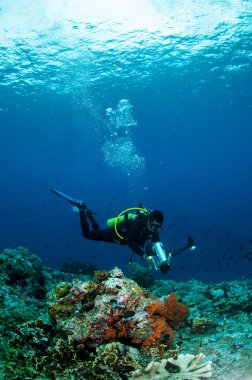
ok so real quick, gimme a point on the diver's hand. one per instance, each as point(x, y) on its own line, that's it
point(75, 209)
point(147, 258)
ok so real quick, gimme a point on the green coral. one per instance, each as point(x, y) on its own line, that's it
point(62, 290)
point(67, 299)
point(101, 275)
point(60, 302)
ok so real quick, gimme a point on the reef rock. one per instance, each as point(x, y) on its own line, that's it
point(113, 308)
point(20, 268)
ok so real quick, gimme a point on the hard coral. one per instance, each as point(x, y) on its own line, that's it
point(188, 365)
point(102, 275)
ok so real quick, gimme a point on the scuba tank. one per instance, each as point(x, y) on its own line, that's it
point(124, 216)
point(112, 221)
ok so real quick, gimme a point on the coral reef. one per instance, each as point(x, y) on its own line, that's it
point(226, 297)
point(220, 323)
point(67, 327)
point(20, 267)
point(114, 308)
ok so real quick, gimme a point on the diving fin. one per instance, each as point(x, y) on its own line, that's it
point(75, 202)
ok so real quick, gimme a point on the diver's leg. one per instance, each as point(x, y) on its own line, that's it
point(96, 234)
point(86, 214)
point(106, 235)
point(84, 223)
point(94, 223)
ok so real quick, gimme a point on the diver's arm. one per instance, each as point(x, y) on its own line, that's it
point(135, 247)
point(132, 237)
point(155, 237)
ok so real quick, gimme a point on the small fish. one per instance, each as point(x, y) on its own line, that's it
point(114, 302)
point(129, 314)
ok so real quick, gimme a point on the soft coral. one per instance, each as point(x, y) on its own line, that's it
point(163, 316)
point(172, 311)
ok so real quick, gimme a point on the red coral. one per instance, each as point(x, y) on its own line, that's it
point(162, 333)
point(118, 327)
point(110, 333)
point(164, 316)
point(154, 308)
point(173, 311)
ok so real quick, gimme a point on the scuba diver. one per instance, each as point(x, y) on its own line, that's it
point(134, 227)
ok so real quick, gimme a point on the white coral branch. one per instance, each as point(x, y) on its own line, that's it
point(189, 366)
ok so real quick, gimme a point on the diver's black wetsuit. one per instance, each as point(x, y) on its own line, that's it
point(134, 231)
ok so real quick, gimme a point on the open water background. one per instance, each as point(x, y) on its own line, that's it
point(182, 142)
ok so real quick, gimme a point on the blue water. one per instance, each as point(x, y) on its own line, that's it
point(181, 144)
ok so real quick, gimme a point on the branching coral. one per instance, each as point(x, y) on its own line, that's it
point(188, 365)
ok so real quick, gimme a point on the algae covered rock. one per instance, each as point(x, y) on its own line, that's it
point(114, 308)
point(98, 312)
